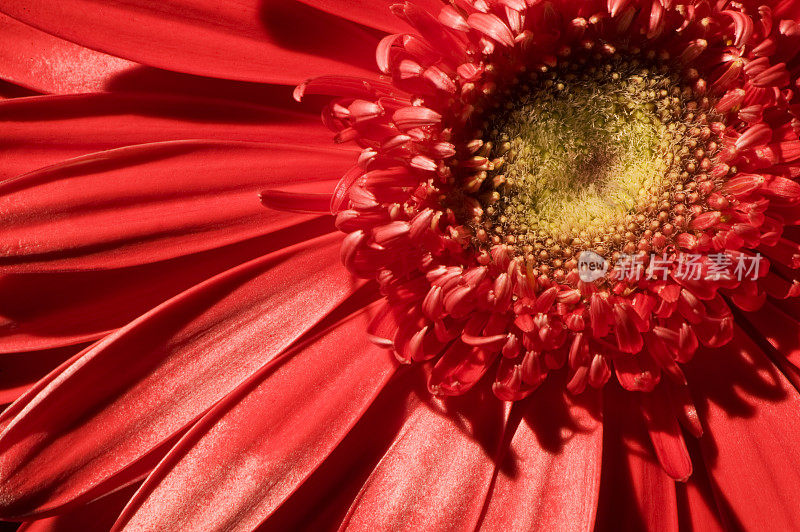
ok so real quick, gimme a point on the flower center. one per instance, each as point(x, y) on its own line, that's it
point(590, 155)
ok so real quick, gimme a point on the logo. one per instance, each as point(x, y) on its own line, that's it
point(591, 266)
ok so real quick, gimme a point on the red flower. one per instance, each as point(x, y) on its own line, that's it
point(218, 368)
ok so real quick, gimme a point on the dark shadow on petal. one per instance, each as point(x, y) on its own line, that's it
point(91, 303)
point(145, 79)
point(733, 378)
point(742, 377)
point(11, 90)
point(19, 371)
point(724, 515)
point(548, 412)
point(322, 501)
point(299, 27)
point(624, 438)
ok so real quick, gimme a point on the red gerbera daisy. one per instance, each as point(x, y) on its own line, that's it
point(574, 222)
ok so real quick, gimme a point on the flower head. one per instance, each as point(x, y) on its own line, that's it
point(575, 225)
point(511, 138)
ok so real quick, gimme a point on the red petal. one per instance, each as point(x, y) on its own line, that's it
point(152, 202)
point(20, 371)
point(97, 515)
point(635, 492)
point(665, 434)
point(752, 431)
point(438, 470)
point(460, 368)
point(282, 200)
point(144, 384)
point(269, 41)
point(629, 337)
point(45, 130)
point(705, 220)
point(616, 6)
point(413, 117)
point(549, 478)
point(637, 373)
point(46, 310)
point(491, 26)
point(12, 410)
point(322, 501)
point(697, 508)
point(756, 135)
point(275, 429)
point(372, 13)
point(39, 61)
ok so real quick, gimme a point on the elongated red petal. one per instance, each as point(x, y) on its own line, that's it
point(41, 131)
point(372, 13)
point(217, 334)
point(452, 469)
point(284, 421)
point(148, 203)
point(665, 434)
point(39, 61)
point(750, 410)
point(98, 515)
point(550, 486)
point(263, 41)
point(492, 26)
point(47, 310)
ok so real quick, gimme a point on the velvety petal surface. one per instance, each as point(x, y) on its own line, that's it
point(46, 130)
point(139, 387)
point(97, 515)
point(236, 466)
point(54, 309)
point(273, 41)
point(750, 449)
point(39, 61)
point(152, 202)
point(549, 478)
point(635, 492)
point(438, 471)
point(322, 501)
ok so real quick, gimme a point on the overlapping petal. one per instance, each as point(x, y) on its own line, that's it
point(453, 446)
point(258, 445)
point(42, 62)
point(271, 41)
point(141, 386)
point(99, 514)
point(152, 202)
point(549, 478)
point(40, 131)
point(53, 309)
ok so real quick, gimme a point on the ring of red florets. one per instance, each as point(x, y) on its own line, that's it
point(471, 305)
